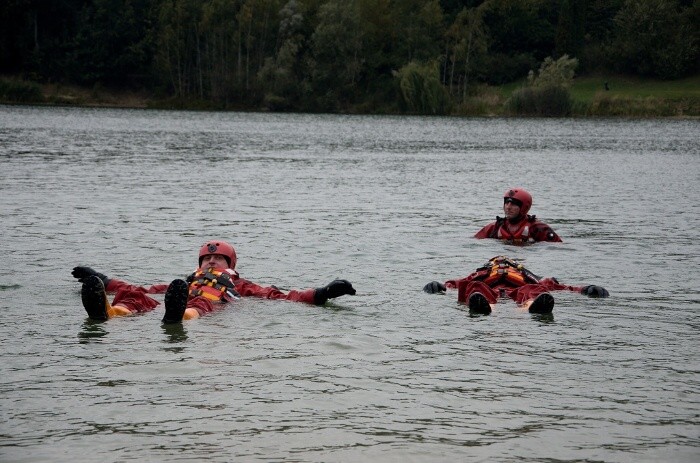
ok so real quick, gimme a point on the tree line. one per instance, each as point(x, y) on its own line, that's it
point(338, 55)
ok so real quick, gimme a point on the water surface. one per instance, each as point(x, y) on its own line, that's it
point(390, 203)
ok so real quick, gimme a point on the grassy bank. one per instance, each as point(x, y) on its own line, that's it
point(635, 97)
point(623, 97)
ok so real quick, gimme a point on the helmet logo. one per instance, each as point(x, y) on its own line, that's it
point(511, 193)
point(211, 247)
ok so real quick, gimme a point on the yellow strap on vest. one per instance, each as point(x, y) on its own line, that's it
point(503, 269)
point(212, 284)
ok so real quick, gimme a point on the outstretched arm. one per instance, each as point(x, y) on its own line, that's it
point(434, 287)
point(318, 296)
point(335, 288)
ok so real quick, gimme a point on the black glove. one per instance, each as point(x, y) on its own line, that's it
point(332, 290)
point(434, 287)
point(595, 291)
point(83, 272)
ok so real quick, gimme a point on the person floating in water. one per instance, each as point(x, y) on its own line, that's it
point(517, 227)
point(505, 277)
point(215, 282)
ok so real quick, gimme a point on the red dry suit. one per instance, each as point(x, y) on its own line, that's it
point(529, 230)
point(137, 299)
point(502, 277)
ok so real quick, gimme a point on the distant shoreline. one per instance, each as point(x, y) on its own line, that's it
point(631, 98)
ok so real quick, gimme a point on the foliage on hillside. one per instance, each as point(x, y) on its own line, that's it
point(418, 56)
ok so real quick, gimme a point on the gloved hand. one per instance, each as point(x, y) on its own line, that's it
point(83, 272)
point(434, 287)
point(595, 291)
point(332, 290)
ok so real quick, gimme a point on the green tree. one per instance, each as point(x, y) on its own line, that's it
point(281, 75)
point(38, 37)
point(547, 90)
point(336, 46)
point(379, 51)
point(571, 29)
point(177, 44)
point(466, 49)
point(112, 43)
point(219, 36)
point(656, 38)
point(421, 89)
point(521, 34)
point(418, 28)
point(554, 73)
point(258, 26)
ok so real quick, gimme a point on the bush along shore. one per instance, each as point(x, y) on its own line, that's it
point(589, 96)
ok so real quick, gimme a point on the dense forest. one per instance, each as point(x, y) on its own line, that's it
point(338, 55)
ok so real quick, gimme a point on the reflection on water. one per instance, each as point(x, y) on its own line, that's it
point(389, 203)
point(544, 318)
point(91, 329)
point(174, 333)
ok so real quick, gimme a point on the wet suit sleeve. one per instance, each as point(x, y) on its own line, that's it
point(553, 285)
point(454, 284)
point(115, 285)
point(486, 232)
point(543, 232)
point(249, 289)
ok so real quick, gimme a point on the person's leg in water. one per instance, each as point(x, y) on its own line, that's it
point(534, 297)
point(479, 296)
point(176, 301)
point(127, 301)
point(179, 307)
point(95, 301)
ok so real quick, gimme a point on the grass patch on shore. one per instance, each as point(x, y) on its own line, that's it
point(635, 97)
point(629, 96)
point(586, 88)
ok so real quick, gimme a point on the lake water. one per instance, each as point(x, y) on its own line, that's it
point(390, 203)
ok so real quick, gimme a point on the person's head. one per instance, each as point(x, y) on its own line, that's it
point(217, 254)
point(516, 203)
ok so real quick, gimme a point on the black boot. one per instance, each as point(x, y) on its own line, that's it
point(94, 298)
point(544, 303)
point(176, 301)
point(479, 304)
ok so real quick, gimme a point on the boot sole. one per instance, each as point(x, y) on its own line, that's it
point(479, 304)
point(94, 298)
point(176, 301)
point(544, 303)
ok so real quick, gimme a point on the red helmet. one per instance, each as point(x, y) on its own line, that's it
point(219, 247)
point(519, 197)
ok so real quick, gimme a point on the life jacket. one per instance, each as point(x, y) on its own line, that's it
point(501, 269)
point(521, 234)
point(214, 284)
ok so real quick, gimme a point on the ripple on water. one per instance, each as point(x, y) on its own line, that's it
point(389, 203)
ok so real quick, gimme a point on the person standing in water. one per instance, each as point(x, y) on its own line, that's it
point(517, 227)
